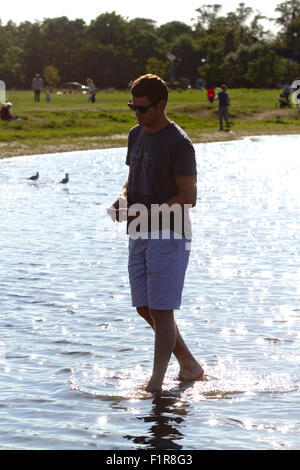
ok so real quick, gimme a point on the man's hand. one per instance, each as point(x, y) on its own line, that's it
point(118, 211)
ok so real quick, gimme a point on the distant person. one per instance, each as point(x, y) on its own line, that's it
point(211, 94)
point(296, 87)
point(5, 112)
point(92, 90)
point(284, 99)
point(224, 102)
point(200, 85)
point(48, 96)
point(37, 86)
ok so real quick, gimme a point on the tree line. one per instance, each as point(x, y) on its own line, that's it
point(234, 48)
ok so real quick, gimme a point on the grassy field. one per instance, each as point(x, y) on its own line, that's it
point(69, 122)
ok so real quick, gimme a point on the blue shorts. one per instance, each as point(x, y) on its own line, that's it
point(156, 272)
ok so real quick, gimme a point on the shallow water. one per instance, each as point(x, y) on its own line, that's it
point(74, 357)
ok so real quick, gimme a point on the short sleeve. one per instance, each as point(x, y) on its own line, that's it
point(183, 158)
point(128, 149)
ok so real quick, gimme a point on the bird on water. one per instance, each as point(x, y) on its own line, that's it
point(34, 177)
point(65, 180)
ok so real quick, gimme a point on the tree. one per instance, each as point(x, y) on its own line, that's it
point(108, 29)
point(156, 66)
point(264, 69)
point(30, 39)
point(3, 40)
point(170, 31)
point(256, 30)
point(11, 67)
point(51, 76)
point(61, 40)
point(113, 50)
point(144, 45)
point(293, 34)
point(144, 24)
point(188, 57)
point(236, 28)
point(207, 16)
point(258, 66)
point(107, 65)
point(288, 39)
point(288, 11)
point(236, 65)
point(213, 70)
point(288, 70)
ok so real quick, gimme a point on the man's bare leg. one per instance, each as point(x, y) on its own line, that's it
point(165, 339)
point(190, 369)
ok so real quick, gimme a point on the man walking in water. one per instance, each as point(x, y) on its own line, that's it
point(162, 170)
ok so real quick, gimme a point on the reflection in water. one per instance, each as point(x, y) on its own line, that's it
point(167, 415)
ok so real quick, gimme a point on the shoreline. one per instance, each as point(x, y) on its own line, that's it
point(18, 149)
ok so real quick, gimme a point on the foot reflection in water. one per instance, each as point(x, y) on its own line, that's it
point(168, 413)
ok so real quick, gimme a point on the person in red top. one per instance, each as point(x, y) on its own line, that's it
point(211, 94)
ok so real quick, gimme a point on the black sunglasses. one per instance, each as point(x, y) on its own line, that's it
point(141, 109)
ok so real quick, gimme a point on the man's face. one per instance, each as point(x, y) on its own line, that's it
point(152, 114)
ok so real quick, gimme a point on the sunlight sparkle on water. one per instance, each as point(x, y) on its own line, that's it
point(67, 319)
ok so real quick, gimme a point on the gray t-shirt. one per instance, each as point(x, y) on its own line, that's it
point(155, 160)
point(37, 84)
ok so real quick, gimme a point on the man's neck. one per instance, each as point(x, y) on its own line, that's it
point(158, 126)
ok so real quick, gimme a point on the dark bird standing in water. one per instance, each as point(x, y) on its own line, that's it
point(34, 177)
point(66, 179)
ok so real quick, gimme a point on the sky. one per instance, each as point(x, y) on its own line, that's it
point(161, 11)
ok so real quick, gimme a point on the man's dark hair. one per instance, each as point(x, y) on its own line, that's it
point(151, 86)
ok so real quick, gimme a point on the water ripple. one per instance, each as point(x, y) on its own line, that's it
point(74, 357)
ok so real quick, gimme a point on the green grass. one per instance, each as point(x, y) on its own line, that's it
point(69, 122)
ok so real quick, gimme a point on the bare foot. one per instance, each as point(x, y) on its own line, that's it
point(153, 386)
point(191, 373)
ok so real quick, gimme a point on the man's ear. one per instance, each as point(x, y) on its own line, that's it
point(162, 104)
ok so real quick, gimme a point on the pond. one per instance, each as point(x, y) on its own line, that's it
point(74, 355)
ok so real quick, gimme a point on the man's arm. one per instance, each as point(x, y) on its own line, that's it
point(117, 206)
point(187, 191)
point(123, 193)
point(124, 190)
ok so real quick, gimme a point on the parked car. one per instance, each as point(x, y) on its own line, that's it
point(69, 87)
